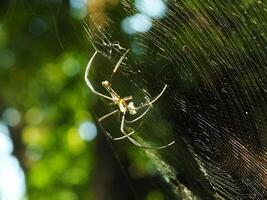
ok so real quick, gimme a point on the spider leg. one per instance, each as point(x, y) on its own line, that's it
point(118, 64)
point(107, 115)
point(149, 103)
point(86, 75)
point(107, 133)
point(139, 117)
point(124, 134)
point(128, 98)
point(104, 117)
point(137, 143)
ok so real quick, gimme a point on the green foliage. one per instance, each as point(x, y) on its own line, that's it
point(43, 81)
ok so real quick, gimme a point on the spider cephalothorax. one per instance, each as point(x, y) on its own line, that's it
point(123, 106)
point(121, 102)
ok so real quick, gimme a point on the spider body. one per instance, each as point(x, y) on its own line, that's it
point(123, 106)
point(121, 102)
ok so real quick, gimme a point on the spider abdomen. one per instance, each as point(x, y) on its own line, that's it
point(122, 106)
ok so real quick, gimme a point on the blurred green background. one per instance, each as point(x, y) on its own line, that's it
point(50, 146)
point(212, 54)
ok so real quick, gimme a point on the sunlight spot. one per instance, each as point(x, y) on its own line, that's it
point(6, 146)
point(78, 4)
point(78, 8)
point(152, 8)
point(7, 58)
point(126, 26)
point(4, 129)
point(11, 116)
point(141, 23)
point(87, 131)
point(71, 67)
point(12, 180)
point(136, 23)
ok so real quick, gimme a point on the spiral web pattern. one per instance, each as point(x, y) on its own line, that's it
point(213, 56)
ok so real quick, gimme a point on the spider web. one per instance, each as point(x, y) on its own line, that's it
point(212, 55)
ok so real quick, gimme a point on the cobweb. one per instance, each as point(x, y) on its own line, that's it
point(213, 56)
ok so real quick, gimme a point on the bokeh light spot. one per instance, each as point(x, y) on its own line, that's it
point(78, 4)
point(11, 116)
point(12, 180)
point(78, 8)
point(87, 131)
point(35, 135)
point(71, 67)
point(136, 23)
point(152, 8)
point(75, 144)
point(6, 146)
point(4, 129)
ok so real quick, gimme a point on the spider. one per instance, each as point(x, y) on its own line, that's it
point(123, 106)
